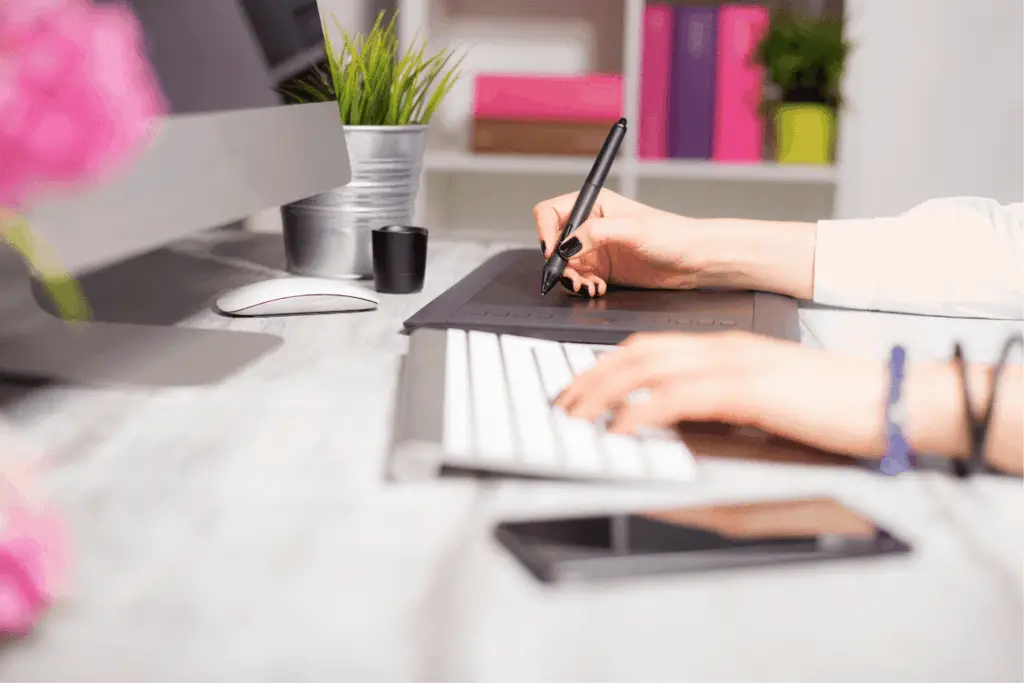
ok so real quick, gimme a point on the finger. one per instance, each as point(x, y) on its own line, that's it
point(602, 286)
point(589, 288)
point(672, 354)
point(550, 215)
point(618, 362)
point(596, 233)
point(571, 280)
point(617, 386)
point(705, 398)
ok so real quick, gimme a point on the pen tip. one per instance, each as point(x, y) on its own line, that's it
point(622, 121)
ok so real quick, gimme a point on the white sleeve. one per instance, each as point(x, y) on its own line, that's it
point(958, 257)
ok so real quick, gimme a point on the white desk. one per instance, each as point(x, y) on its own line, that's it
point(243, 532)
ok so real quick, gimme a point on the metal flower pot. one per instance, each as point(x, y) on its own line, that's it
point(328, 235)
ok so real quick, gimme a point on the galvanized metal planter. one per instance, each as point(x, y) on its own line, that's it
point(328, 235)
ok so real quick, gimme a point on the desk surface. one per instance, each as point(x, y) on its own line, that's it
point(244, 532)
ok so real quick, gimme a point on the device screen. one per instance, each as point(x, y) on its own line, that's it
point(717, 535)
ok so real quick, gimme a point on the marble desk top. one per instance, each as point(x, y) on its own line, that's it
point(244, 532)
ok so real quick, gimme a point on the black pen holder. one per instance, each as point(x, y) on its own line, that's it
point(399, 259)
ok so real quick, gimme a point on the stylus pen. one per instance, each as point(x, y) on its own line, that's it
point(555, 266)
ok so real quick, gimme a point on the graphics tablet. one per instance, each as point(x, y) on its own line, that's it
point(503, 296)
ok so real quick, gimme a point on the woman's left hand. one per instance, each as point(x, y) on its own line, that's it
point(821, 399)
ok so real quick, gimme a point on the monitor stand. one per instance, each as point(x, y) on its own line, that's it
point(121, 354)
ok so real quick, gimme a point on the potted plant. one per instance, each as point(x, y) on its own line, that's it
point(803, 58)
point(386, 99)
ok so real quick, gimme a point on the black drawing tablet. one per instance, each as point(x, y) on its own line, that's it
point(503, 296)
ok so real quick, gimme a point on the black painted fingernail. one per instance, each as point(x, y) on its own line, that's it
point(570, 248)
point(567, 283)
point(543, 247)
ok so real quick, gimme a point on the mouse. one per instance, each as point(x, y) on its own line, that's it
point(294, 295)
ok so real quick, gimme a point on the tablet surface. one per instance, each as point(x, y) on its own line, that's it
point(503, 295)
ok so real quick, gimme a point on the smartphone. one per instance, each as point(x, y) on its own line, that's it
point(686, 539)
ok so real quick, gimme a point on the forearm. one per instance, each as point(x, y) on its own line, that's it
point(766, 256)
point(937, 423)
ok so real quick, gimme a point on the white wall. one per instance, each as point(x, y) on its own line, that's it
point(934, 90)
point(355, 16)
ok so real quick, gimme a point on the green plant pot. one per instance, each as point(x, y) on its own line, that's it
point(804, 133)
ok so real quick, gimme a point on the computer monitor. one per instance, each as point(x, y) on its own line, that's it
point(203, 170)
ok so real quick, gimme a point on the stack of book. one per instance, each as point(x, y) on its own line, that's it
point(700, 94)
point(557, 115)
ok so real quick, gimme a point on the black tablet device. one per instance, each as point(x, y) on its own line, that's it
point(503, 296)
point(687, 539)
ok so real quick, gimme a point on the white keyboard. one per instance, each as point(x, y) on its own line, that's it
point(494, 394)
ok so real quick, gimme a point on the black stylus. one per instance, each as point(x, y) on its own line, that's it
point(555, 266)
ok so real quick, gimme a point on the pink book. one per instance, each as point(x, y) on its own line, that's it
point(655, 66)
point(589, 98)
point(739, 127)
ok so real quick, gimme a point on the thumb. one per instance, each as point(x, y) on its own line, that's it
point(596, 233)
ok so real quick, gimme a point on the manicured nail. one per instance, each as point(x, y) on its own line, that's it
point(567, 283)
point(543, 247)
point(570, 248)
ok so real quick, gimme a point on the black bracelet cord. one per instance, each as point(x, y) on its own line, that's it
point(978, 425)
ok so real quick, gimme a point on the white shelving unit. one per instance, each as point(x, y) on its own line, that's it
point(449, 162)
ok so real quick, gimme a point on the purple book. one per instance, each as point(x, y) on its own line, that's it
point(692, 87)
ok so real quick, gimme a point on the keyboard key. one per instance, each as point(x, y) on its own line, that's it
point(623, 456)
point(581, 451)
point(669, 459)
point(494, 435)
point(581, 358)
point(555, 372)
point(458, 417)
point(532, 410)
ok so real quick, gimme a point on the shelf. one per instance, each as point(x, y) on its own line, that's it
point(453, 161)
point(768, 172)
point(297, 64)
point(464, 162)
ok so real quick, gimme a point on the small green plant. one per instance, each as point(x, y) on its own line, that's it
point(376, 85)
point(804, 57)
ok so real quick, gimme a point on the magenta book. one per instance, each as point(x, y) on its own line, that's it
point(655, 67)
point(588, 98)
point(739, 128)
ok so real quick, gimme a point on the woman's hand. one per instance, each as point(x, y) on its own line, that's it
point(624, 242)
point(831, 402)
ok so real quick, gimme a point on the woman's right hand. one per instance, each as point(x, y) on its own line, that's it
point(623, 242)
point(627, 243)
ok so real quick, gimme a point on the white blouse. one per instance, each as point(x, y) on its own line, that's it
point(957, 257)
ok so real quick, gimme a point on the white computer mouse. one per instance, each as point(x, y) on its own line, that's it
point(292, 295)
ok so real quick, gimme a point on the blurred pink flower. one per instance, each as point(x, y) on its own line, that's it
point(33, 567)
point(35, 553)
point(78, 97)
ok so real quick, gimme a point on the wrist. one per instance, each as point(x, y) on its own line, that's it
point(937, 419)
point(767, 256)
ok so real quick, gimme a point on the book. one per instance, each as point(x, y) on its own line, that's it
point(655, 68)
point(739, 128)
point(692, 90)
point(587, 98)
point(504, 136)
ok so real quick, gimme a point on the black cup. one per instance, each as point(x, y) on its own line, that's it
point(399, 258)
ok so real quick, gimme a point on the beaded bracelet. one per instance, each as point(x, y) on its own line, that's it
point(898, 457)
point(978, 425)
